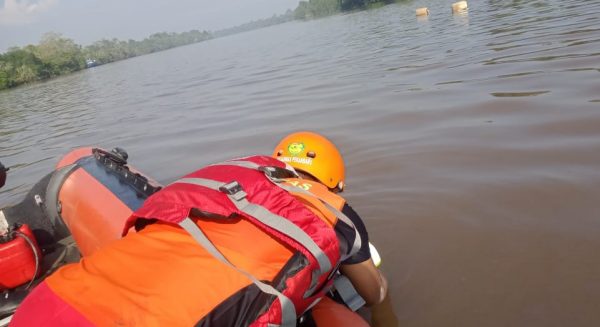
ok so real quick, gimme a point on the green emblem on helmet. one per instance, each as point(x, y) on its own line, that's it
point(295, 148)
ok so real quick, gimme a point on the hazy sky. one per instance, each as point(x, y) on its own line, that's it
point(22, 22)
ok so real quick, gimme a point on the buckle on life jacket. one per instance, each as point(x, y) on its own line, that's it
point(277, 173)
point(234, 189)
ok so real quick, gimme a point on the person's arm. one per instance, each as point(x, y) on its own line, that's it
point(383, 314)
point(2, 175)
point(368, 281)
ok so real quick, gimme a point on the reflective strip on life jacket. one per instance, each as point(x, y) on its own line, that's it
point(271, 209)
point(288, 311)
point(357, 240)
point(295, 189)
point(280, 224)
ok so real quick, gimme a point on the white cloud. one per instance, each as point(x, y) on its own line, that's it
point(19, 12)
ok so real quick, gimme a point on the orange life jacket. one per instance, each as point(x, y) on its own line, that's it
point(268, 252)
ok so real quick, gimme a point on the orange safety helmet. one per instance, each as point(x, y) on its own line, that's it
point(315, 155)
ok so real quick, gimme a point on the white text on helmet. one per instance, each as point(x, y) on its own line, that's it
point(305, 161)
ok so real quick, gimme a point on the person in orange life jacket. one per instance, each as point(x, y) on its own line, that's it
point(317, 159)
point(160, 276)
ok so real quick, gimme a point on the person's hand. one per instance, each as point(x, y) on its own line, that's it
point(2, 175)
point(367, 281)
point(382, 314)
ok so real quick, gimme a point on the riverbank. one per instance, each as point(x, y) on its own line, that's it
point(56, 55)
point(322, 8)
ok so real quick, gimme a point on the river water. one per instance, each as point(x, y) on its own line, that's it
point(472, 140)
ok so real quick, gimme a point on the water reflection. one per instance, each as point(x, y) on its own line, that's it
point(461, 17)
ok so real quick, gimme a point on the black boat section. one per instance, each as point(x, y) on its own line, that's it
point(42, 210)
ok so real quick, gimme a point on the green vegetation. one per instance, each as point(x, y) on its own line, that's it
point(255, 24)
point(363, 4)
point(105, 51)
point(320, 8)
point(316, 8)
point(56, 55)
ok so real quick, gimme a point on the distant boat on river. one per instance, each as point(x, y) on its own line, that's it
point(89, 63)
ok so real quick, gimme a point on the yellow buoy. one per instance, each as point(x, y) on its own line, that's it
point(422, 11)
point(459, 6)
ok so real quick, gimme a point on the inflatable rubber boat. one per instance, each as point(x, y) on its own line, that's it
point(69, 213)
point(78, 208)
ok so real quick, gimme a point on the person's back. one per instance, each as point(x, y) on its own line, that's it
point(162, 276)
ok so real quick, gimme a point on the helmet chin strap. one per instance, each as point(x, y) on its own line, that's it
point(304, 175)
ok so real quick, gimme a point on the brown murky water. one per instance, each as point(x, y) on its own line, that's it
point(472, 140)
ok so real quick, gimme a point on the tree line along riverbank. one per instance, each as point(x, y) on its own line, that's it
point(56, 55)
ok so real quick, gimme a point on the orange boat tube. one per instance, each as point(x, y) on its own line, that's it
point(88, 196)
point(97, 193)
